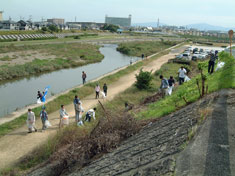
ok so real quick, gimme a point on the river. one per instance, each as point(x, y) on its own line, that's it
point(20, 93)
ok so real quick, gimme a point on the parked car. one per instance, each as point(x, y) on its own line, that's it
point(195, 50)
point(186, 56)
point(180, 56)
point(194, 58)
point(201, 50)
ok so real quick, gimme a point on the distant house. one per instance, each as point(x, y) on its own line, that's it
point(8, 25)
point(25, 25)
point(39, 25)
point(74, 25)
point(84, 25)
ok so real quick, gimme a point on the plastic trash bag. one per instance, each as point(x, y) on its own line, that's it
point(186, 79)
point(65, 120)
point(219, 66)
point(39, 101)
point(47, 123)
point(103, 94)
point(80, 123)
point(170, 89)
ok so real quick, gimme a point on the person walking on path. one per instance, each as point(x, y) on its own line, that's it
point(31, 121)
point(171, 83)
point(105, 89)
point(97, 91)
point(211, 63)
point(64, 117)
point(44, 118)
point(164, 86)
point(90, 113)
point(182, 73)
point(83, 77)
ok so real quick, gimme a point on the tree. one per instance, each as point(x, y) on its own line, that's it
point(53, 28)
point(44, 29)
point(110, 27)
point(143, 80)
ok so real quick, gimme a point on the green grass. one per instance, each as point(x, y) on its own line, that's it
point(224, 78)
point(206, 38)
point(68, 55)
point(6, 58)
point(146, 48)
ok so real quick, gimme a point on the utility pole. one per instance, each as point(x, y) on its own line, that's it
point(158, 23)
point(230, 33)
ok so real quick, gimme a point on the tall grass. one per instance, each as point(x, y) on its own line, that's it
point(146, 48)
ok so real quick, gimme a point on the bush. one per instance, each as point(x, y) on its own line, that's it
point(143, 80)
point(75, 147)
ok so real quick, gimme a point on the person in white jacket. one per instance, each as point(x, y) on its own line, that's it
point(90, 113)
point(31, 121)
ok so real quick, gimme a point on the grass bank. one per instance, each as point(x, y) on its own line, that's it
point(224, 78)
point(146, 48)
point(63, 56)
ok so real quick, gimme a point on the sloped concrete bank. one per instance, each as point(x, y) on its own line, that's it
point(212, 151)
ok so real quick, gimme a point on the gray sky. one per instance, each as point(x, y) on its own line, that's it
point(172, 12)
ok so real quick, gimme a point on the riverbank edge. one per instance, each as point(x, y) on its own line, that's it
point(23, 111)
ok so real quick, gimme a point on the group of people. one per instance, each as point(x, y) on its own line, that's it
point(64, 116)
point(167, 85)
point(31, 120)
point(97, 88)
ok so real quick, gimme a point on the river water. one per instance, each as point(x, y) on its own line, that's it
point(20, 93)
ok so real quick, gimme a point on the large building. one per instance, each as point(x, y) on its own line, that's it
point(56, 21)
point(1, 18)
point(122, 22)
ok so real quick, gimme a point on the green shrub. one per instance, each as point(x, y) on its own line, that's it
point(143, 80)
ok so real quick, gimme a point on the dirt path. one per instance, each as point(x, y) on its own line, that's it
point(19, 143)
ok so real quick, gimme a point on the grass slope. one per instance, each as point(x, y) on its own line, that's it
point(224, 78)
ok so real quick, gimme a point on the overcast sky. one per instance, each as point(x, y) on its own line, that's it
point(171, 12)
